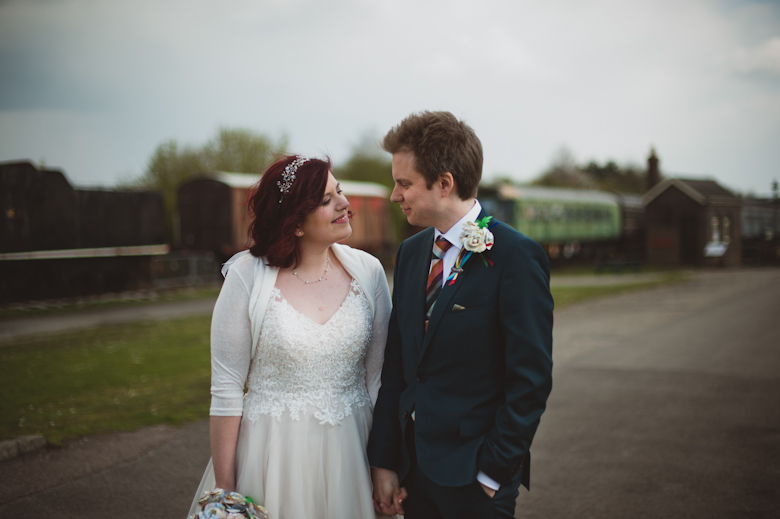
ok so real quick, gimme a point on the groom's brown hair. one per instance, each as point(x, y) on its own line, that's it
point(440, 143)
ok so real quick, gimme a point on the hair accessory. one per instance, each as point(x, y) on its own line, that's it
point(288, 177)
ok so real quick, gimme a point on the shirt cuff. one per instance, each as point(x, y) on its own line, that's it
point(488, 481)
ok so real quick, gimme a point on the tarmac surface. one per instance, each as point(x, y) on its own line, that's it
point(14, 328)
point(665, 405)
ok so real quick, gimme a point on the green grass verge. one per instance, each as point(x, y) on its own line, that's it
point(565, 296)
point(591, 270)
point(113, 378)
point(119, 378)
point(106, 301)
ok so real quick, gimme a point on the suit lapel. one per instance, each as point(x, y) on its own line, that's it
point(445, 297)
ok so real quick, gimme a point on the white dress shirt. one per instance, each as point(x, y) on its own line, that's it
point(453, 236)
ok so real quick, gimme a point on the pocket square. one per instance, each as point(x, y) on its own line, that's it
point(455, 308)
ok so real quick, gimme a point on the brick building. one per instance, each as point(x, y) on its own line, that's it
point(692, 222)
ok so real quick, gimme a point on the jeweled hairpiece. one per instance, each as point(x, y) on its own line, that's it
point(288, 177)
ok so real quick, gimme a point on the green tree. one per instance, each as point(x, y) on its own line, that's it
point(565, 172)
point(240, 150)
point(368, 163)
point(622, 179)
point(168, 167)
point(237, 150)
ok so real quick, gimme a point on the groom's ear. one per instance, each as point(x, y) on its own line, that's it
point(446, 184)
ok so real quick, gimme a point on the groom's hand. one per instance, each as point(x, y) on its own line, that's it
point(398, 500)
point(388, 497)
point(489, 491)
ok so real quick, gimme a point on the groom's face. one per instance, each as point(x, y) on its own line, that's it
point(420, 204)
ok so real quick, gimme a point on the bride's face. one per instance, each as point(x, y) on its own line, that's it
point(329, 223)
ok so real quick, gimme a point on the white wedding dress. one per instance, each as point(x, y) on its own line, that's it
point(307, 413)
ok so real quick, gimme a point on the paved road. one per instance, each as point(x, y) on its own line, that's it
point(665, 405)
point(13, 328)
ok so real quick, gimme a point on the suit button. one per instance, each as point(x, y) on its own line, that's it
point(406, 415)
point(421, 378)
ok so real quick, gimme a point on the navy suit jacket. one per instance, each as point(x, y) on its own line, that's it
point(479, 377)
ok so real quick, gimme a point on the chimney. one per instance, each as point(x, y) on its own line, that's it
point(653, 176)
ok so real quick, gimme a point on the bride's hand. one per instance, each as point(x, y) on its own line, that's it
point(386, 491)
point(227, 488)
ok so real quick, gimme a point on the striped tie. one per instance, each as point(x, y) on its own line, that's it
point(433, 287)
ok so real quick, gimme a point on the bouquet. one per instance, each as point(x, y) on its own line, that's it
point(219, 504)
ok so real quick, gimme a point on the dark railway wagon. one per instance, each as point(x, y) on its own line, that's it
point(57, 241)
point(760, 228)
point(213, 214)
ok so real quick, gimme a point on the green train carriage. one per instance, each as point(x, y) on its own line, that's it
point(570, 224)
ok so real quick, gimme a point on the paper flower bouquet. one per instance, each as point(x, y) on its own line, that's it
point(219, 504)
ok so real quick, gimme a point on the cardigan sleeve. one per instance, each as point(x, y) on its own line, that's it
point(376, 347)
point(231, 345)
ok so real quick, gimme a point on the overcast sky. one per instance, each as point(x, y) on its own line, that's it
point(93, 86)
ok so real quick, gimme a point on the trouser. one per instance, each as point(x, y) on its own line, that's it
point(428, 500)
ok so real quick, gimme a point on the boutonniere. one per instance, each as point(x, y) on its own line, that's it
point(476, 238)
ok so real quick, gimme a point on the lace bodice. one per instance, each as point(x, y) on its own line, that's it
point(238, 324)
point(301, 365)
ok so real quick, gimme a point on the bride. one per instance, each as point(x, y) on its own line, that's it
point(301, 322)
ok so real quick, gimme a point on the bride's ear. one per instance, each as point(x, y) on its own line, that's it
point(298, 232)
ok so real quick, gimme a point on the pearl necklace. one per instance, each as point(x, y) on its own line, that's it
point(327, 266)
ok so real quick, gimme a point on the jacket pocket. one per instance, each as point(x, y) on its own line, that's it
point(467, 309)
point(473, 427)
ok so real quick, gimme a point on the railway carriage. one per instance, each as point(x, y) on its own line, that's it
point(571, 225)
point(213, 214)
point(57, 241)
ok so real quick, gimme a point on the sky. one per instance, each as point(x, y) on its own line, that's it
point(91, 87)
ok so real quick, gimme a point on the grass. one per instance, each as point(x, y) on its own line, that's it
point(122, 377)
point(590, 270)
point(44, 308)
point(113, 378)
point(565, 296)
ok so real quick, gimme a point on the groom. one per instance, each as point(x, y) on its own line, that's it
point(468, 361)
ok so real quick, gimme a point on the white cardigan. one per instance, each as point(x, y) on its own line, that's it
point(240, 309)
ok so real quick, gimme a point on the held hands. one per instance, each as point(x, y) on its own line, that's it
point(388, 496)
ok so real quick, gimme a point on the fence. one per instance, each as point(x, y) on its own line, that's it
point(179, 269)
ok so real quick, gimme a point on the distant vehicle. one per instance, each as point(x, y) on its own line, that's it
point(213, 214)
point(760, 221)
point(57, 241)
point(572, 224)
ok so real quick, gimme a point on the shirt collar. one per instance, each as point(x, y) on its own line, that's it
point(453, 235)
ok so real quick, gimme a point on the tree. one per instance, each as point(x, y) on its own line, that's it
point(240, 150)
point(565, 172)
point(232, 149)
point(622, 179)
point(368, 163)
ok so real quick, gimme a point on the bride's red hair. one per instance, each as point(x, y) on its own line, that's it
point(272, 229)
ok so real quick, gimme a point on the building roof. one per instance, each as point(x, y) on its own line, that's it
point(702, 191)
point(556, 194)
point(240, 180)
